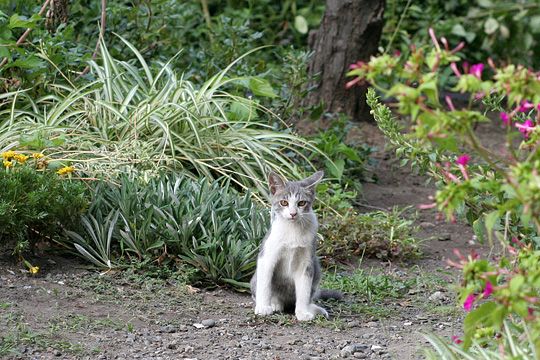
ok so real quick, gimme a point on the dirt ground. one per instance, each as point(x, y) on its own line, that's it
point(70, 311)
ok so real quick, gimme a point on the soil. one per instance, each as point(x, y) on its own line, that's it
point(70, 311)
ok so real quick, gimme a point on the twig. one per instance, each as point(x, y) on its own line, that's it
point(25, 34)
point(101, 34)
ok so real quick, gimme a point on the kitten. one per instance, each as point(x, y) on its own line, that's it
point(288, 270)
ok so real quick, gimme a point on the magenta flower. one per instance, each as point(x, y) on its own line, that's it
point(467, 305)
point(463, 160)
point(476, 70)
point(526, 128)
point(488, 290)
point(505, 118)
point(357, 65)
point(525, 106)
point(456, 340)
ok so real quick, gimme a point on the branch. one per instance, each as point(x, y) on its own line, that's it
point(101, 34)
point(25, 34)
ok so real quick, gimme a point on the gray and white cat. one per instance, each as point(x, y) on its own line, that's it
point(288, 270)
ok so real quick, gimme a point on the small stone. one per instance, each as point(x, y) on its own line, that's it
point(376, 347)
point(57, 353)
point(199, 326)
point(347, 351)
point(169, 329)
point(426, 224)
point(444, 237)
point(208, 323)
point(172, 345)
point(359, 355)
point(189, 348)
point(407, 323)
point(437, 296)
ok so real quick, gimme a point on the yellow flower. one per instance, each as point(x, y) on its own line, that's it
point(37, 155)
point(8, 164)
point(66, 170)
point(8, 155)
point(34, 269)
point(21, 158)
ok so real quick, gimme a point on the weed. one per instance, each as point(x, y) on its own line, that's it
point(380, 234)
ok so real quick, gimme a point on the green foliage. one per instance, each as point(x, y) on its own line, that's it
point(207, 226)
point(346, 159)
point(138, 116)
point(36, 204)
point(380, 234)
point(506, 30)
point(363, 284)
point(496, 191)
point(512, 345)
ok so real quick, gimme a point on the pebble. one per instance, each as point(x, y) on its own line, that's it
point(168, 329)
point(437, 296)
point(444, 237)
point(208, 323)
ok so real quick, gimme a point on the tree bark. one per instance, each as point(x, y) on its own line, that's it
point(350, 31)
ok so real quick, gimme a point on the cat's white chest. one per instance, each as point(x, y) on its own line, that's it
point(289, 235)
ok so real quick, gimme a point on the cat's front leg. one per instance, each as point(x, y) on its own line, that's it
point(263, 293)
point(304, 309)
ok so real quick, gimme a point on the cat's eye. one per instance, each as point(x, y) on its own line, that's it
point(284, 203)
point(302, 203)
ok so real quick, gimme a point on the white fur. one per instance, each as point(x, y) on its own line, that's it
point(290, 242)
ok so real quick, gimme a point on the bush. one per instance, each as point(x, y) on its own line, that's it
point(494, 188)
point(37, 204)
point(136, 116)
point(204, 224)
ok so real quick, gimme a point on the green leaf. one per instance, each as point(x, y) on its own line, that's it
point(475, 319)
point(301, 24)
point(31, 63)
point(261, 87)
point(491, 220)
point(335, 168)
point(485, 3)
point(534, 24)
point(490, 26)
point(17, 21)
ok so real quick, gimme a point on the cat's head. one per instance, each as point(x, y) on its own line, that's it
point(293, 200)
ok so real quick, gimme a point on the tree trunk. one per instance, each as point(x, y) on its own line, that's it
point(350, 31)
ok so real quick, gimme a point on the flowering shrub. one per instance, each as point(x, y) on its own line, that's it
point(36, 203)
point(496, 188)
point(493, 293)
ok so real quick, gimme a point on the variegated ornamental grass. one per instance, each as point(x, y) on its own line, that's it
point(133, 116)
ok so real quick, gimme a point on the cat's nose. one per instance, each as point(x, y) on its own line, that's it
point(293, 215)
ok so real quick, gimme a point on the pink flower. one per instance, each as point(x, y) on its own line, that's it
point(476, 70)
point(431, 33)
point(488, 290)
point(397, 53)
point(463, 160)
point(353, 82)
point(467, 305)
point(427, 206)
point(526, 128)
point(357, 65)
point(505, 118)
point(450, 103)
point(525, 106)
point(456, 340)
point(455, 69)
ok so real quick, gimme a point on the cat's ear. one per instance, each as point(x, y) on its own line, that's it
point(313, 180)
point(276, 182)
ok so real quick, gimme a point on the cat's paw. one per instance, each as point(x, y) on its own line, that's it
point(310, 313)
point(263, 310)
point(304, 315)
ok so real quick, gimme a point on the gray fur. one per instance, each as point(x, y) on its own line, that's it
point(288, 252)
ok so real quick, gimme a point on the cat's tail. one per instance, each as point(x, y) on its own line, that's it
point(325, 294)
